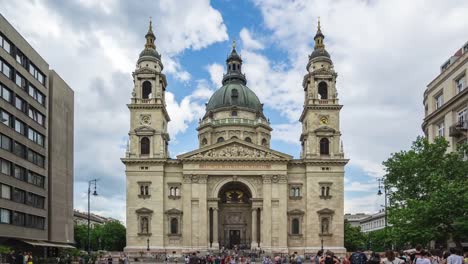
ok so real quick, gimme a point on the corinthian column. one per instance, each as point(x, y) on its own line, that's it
point(254, 242)
point(215, 244)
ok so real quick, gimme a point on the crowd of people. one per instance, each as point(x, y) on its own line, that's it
point(417, 256)
point(20, 257)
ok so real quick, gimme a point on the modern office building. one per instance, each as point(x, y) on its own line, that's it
point(36, 154)
point(446, 101)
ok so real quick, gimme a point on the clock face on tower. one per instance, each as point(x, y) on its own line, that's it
point(323, 120)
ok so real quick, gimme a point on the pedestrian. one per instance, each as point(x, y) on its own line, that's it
point(109, 259)
point(30, 258)
point(374, 258)
point(346, 258)
point(422, 258)
point(416, 254)
point(358, 257)
point(454, 258)
point(318, 257)
point(390, 258)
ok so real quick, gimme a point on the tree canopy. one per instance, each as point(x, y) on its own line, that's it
point(109, 236)
point(428, 192)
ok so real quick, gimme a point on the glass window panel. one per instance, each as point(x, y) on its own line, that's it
point(5, 118)
point(5, 216)
point(6, 192)
point(6, 70)
point(5, 142)
point(5, 167)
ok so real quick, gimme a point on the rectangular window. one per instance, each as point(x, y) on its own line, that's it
point(36, 158)
point(36, 137)
point(5, 44)
point(20, 127)
point(5, 93)
point(5, 192)
point(20, 104)
point(441, 129)
point(36, 73)
point(35, 221)
point(35, 200)
point(20, 81)
point(5, 216)
point(5, 167)
point(6, 69)
point(5, 142)
point(20, 58)
point(19, 150)
point(36, 179)
point(460, 84)
point(19, 218)
point(462, 117)
point(20, 173)
point(36, 116)
point(439, 101)
point(5, 117)
point(19, 196)
point(36, 94)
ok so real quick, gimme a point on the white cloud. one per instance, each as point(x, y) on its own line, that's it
point(216, 71)
point(369, 204)
point(248, 41)
point(288, 133)
point(94, 46)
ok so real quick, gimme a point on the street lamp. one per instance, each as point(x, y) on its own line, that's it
point(379, 193)
point(321, 237)
point(91, 182)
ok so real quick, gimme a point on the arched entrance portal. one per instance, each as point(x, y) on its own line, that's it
point(235, 216)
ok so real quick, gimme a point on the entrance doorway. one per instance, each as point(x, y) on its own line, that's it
point(234, 216)
point(234, 238)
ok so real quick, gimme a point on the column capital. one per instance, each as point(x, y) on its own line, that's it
point(266, 178)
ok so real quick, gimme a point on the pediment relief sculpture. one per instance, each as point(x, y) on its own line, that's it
point(235, 151)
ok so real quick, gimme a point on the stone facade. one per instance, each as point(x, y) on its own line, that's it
point(234, 189)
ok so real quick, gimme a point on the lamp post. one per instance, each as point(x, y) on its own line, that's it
point(147, 245)
point(91, 182)
point(385, 193)
point(321, 237)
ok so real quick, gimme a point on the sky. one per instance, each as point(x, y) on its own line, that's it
point(385, 53)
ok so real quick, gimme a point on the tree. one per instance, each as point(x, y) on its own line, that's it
point(353, 238)
point(81, 236)
point(108, 236)
point(428, 189)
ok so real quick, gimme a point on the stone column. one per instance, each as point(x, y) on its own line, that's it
point(203, 241)
point(215, 244)
point(283, 208)
point(265, 242)
point(187, 211)
point(254, 242)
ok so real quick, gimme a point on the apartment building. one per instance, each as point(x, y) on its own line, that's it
point(36, 147)
point(446, 101)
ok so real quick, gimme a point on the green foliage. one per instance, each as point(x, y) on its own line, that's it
point(353, 237)
point(4, 249)
point(428, 193)
point(109, 236)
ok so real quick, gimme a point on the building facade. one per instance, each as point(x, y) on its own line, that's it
point(446, 101)
point(36, 154)
point(234, 190)
point(81, 218)
point(355, 219)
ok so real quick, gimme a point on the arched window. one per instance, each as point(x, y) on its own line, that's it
point(204, 142)
point(145, 146)
point(247, 139)
point(264, 142)
point(177, 192)
point(295, 226)
point(291, 193)
point(323, 90)
point(174, 226)
point(146, 90)
point(220, 139)
point(323, 190)
point(234, 113)
point(325, 225)
point(144, 225)
point(172, 192)
point(146, 190)
point(328, 191)
point(324, 146)
point(142, 190)
point(297, 192)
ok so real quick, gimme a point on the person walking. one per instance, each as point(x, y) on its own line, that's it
point(454, 258)
point(374, 258)
point(390, 258)
point(358, 257)
point(30, 258)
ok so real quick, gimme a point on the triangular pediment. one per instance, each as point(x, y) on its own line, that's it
point(234, 149)
point(325, 211)
point(143, 129)
point(325, 129)
point(296, 212)
point(144, 70)
point(144, 210)
point(174, 211)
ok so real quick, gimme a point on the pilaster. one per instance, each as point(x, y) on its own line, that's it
point(265, 242)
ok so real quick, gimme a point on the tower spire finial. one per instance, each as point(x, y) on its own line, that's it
point(150, 25)
point(234, 44)
point(150, 37)
point(319, 37)
point(318, 27)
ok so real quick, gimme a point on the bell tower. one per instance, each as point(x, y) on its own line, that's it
point(320, 118)
point(148, 137)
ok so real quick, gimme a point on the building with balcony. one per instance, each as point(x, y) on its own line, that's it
point(355, 219)
point(36, 147)
point(446, 101)
point(81, 218)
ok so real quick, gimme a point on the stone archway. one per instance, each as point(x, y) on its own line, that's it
point(234, 215)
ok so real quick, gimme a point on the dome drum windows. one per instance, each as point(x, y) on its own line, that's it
point(220, 139)
point(248, 139)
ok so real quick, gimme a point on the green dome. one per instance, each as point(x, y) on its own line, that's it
point(234, 94)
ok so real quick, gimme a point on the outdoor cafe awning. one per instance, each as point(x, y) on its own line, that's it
point(46, 244)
